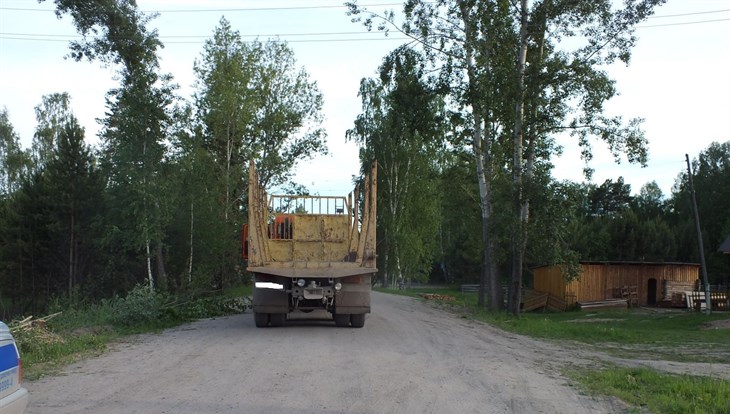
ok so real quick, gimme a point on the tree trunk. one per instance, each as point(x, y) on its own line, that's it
point(190, 257)
point(149, 265)
point(481, 144)
point(515, 288)
point(71, 255)
point(160, 261)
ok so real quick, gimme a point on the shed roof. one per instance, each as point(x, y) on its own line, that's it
point(725, 246)
point(632, 263)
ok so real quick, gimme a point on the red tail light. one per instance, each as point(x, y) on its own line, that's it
point(20, 371)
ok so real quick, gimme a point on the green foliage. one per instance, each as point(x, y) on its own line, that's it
point(14, 161)
point(252, 102)
point(711, 178)
point(52, 115)
point(219, 305)
point(401, 127)
point(142, 305)
point(50, 222)
point(460, 238)
point(659, 393)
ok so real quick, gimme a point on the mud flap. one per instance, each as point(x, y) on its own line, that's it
point(354, 298)
point(270, 301)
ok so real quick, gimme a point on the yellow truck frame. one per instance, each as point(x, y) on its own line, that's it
point(312, 252)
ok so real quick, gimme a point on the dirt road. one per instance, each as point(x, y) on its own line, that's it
point(409, 358)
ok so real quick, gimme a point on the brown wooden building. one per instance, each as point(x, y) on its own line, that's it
point(653, 283)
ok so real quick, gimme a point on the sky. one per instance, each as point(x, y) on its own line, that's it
point(678, 79)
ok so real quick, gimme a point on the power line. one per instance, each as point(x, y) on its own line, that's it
point(49, 37)
point(63, 38)
point(3, 37)
point(689, 14)
point(682, 23)
point(237, 9)
point(314, 7)
point(339, 6)
point(75, 36)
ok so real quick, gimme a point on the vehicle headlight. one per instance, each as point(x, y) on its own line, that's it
point(301, 282)
point(338, 286)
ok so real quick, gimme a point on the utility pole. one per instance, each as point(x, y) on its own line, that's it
point(708, 301)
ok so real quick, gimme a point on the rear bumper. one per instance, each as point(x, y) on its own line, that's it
point(14, 403)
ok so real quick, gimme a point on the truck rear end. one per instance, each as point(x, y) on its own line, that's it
point(311, 252)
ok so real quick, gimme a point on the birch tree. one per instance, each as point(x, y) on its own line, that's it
point(52, 115)
point(550, 89)
point(253, 102)
point(14, 160)
point(115, 33)
point(402, 128)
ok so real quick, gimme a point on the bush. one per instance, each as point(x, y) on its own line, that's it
point(207, 308)
point(142, 305)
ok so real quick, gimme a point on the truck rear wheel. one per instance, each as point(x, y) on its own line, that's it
point(261, 319)
point(357, 320)
point(342, 320)
point(277, 319)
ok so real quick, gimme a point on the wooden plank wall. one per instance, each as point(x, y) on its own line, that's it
point(599, 281)
point(549, 279)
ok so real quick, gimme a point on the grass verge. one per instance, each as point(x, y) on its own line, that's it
point(649, 390)
point(673, 335)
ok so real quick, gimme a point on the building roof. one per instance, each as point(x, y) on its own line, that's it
point(632, 263)
point(725, 246)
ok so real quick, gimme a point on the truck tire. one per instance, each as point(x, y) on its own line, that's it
point(261, 319)
point(357, 320)
point(341, 320)
point(277, 319)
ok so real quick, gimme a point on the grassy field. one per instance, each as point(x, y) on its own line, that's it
point(665, 334)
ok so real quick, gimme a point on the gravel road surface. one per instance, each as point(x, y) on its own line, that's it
point(409, 358)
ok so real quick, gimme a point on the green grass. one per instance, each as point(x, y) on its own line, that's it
point(658, 393)
point(44, 355)
point(672, 335)
point(628, 326)
point(633, 333)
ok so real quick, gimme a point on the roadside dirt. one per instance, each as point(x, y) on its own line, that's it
point(409, 358)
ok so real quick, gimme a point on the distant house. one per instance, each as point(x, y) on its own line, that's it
point(725, 246)
point(651, 283)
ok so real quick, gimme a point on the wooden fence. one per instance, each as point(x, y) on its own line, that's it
point(696, 300)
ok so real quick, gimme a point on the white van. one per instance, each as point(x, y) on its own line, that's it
point(13, 398)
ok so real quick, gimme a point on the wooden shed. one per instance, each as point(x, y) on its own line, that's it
point(652, 283)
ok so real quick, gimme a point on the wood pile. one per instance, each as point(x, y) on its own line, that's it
point(535, 300)
point(35, 330)
point(674, 291)
point(604, 304)
point(30, 322)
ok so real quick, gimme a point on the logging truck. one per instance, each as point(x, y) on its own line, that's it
point(311, 253)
